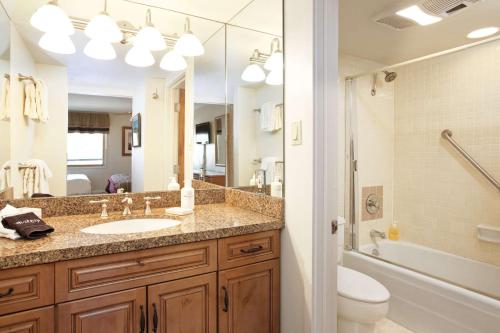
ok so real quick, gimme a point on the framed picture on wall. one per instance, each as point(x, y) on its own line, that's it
point(136, 130)
point(126, 141)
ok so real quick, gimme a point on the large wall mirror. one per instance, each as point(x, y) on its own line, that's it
point(119, 95)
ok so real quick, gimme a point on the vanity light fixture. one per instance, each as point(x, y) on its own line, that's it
point(275, 60)
point(100, 50)
point(253, 72)
point(275, 78)
point(50, 18)
point(103, 27)
point(416, 14)
point(149, 36)
point(57, 43)
point(172, 61)
point(483, 32)
point(189, 45)
point(139, 56)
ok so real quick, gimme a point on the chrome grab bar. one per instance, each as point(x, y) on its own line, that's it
point(448, 135)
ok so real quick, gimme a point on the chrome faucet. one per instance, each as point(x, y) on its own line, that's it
point(104, 207)
point(374, 234)
point(147, 210)
point(127, 201)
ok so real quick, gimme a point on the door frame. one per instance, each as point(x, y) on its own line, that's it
point(325, 165)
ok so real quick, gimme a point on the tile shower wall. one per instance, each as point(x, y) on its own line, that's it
point(374, 125)
point(439, 197)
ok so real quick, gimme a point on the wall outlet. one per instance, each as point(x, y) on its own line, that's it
point(296, 133)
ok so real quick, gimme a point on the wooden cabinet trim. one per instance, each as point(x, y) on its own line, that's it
point(26, 288)
point(36, 321)
point(104, 274)
point(248, 249)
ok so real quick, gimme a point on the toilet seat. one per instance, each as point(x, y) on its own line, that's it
point(359, 287)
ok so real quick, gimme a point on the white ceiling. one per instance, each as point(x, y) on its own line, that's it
point(360, 36)
point(87, 75)
point(105, 104)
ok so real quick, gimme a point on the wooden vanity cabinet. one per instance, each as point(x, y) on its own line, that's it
point(231, 285)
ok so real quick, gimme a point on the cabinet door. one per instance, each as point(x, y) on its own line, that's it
point(184, 306)
point(34, 321)
point(249, 299)
point(122, 312)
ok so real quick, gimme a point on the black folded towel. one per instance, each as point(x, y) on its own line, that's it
point(27, 225)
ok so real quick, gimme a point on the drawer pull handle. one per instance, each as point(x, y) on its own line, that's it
point(226, 300)
point(252, 249)
point(155, 319)
point(8, 293)
point(143, 320)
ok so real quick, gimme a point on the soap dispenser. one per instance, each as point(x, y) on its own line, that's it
point(276, 188)
point(187, 195)
point(173, 185)
point(394, 232)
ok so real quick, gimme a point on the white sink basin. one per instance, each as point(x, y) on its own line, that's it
point(130, 226)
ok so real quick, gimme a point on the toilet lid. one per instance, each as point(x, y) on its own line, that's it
point(360, 287)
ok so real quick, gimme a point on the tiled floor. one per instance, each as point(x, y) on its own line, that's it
point(387, 326)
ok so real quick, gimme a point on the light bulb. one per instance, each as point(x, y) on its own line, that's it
point(189, 45)
point(483, 32)
point(150, 38)
point(275, 78)
point(51, 18)
point(104, 28)
point(172, 61)
point(274, 62)
point(100, 50)
point(253, 73)
point(139, 56)
point(57, 43)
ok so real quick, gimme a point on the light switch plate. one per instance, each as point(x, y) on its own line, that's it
point(296, 133)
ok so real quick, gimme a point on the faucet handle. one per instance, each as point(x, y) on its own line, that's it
point(103, 201)
point(104, 207)
point(152, 198)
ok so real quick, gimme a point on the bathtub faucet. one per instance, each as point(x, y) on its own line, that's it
point(374, 234)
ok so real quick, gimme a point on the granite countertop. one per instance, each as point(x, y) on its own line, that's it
point(210, 221)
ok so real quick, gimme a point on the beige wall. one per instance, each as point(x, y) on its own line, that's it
point(439, 197)
point(4, 124)
point(115, 163)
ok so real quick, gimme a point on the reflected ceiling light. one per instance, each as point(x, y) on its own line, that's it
point(104, 27)
point(172, 61)
point(57, 43)
point(51, 18)
point(416, 14)
point(275, 60)
point(483, 32)
point(275, 78)
point(100, 50)
point(253, 73)
point(139, 56)
point(189, 45)
point(149, 36)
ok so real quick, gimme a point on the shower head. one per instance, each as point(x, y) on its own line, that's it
point(390, 76)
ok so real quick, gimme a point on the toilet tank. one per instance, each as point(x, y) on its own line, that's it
point(340, 238)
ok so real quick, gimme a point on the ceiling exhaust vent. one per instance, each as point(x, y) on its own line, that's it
point(439, 8)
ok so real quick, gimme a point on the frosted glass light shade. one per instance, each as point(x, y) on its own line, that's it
point(275, 78)
point(51, 18)
point(418, 15)
point(104, 28)
point(253, 73)
point(189, 45)
point(173, 62)
point(57, 43)
point(139, 56)
point(274, 62)
point(150, 38)
point(100, 50)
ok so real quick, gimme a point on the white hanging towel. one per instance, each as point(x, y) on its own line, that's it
point(4, 99)
point(36, 177)
point(30, 100)
point(5, 175)
point(271, 117)
point(268, 164)
point(41, 98)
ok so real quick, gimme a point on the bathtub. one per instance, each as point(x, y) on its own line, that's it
point(436, 292)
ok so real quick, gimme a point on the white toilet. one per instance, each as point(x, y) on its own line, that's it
point(362, 300)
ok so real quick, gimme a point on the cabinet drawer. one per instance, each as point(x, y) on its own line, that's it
point(26, 288)
point(248, 249)
point(99, 275)
point(35, 321)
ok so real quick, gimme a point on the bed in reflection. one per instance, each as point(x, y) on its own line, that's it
point(78, 184)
